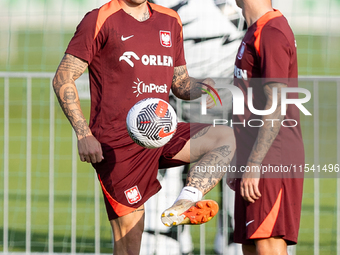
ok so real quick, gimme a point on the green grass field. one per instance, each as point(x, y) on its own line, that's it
point(42, 53)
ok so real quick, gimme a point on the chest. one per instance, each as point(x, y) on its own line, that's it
point(248, 62)
point(130, 43)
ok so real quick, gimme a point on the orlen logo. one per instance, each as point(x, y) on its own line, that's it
point(142, 88)
point(204, 97)
point(127, 57)
point(147, 60)
point(240, 73)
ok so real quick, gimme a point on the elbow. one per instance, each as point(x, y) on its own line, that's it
point(54, 83)
point(179, 94)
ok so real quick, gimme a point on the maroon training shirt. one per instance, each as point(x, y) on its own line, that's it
point(128, 61)
point(268, 54)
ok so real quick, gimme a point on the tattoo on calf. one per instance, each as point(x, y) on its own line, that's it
point(203, 174)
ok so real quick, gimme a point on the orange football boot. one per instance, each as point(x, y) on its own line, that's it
point(188, 212)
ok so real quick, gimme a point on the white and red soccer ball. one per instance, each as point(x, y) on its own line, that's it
point(151, 122)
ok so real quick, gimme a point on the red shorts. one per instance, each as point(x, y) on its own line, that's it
point(275, 214)
point(128, 175)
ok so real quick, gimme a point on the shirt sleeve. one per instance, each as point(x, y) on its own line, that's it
point(275, 56)
point(180, 58)
point(84, 45)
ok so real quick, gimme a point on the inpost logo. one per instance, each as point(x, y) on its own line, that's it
point(142, 88)
point(204, 97)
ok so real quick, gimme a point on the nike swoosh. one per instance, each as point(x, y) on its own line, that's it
point(190, 191)
point(249, 222)
point(162, 134)
point(125, 38)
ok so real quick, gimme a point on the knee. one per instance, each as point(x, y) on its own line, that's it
point(216, 137)
point(248, 249)
point(271, 246)
point(224, 136)
point(128, 227)
point(265, 250)
point(127, 233)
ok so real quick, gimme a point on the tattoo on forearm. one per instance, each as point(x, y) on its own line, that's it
point(268, 132)
point(68, 71)
point(183, 86)
point(200, 133)
point(204, 175)
point(265, 138)
point(81, 128)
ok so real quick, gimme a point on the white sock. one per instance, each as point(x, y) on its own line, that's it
point(190, 193)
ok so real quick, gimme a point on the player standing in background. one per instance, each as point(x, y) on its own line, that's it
point(134, 50)
point(267, 207)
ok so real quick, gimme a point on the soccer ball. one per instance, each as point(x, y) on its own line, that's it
point(151, 122)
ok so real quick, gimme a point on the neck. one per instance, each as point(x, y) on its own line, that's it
point(253, 10)
point(140, 11)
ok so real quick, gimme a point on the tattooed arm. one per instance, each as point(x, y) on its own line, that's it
point(188, 88)
point(266, 135)
point(70, 69)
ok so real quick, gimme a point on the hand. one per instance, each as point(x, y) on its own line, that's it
point(231, 183)
point(210, 101)
point(250, 184)
point(90, 150)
